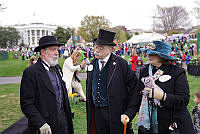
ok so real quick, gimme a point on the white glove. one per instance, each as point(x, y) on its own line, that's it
point(158, 94)
point(45, 129)
point(124, 118)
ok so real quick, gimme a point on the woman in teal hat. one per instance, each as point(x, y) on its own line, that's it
point(165, 93)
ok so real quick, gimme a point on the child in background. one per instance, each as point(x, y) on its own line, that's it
point(196, 112)
point(139, 66)
point(134, 60)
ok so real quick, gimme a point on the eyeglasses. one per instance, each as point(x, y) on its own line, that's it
point(53, 49)
point(99, 48)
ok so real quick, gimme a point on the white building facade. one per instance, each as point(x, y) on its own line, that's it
point(31, 33)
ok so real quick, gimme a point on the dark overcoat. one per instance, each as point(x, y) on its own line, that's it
point(178, 96)
point(122, 95)
point(38, 99)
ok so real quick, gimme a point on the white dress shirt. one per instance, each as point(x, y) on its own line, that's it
point(105, 61)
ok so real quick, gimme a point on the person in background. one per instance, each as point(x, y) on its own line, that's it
point(66, 53)
point(112, 97)
point(23, 53)
point(134, 60)
point(32, 60)
point(188, 57)
point(196, 112)
point(165, 91)
point(184, 65)
point(70, 70)
point(139, 67)
point(43, 95)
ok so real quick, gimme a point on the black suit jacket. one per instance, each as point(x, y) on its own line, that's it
point(122, 95)
point(38, 99)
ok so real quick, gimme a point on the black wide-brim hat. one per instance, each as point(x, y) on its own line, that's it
point(105, 38)
point(47, 41)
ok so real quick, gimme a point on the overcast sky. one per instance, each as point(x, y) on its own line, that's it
point(131, 13)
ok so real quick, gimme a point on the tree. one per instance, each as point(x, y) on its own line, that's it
point(120, 35)
point(197, 10)
point(3, 37)
point(197, 30)
point(90, 26)
point(136, 33)
point(128, 36)
point(9, 37)
point(171, 18)
point(13, 36)
point(63, 34)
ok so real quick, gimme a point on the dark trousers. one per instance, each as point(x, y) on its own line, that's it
point(101, 119)
point(62, 124)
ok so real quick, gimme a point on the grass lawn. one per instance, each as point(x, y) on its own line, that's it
point(15, 67)
point(10, 110)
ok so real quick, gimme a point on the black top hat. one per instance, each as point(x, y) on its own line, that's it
point(105, 38)
point(47, 41)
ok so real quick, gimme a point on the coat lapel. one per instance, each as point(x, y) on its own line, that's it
point(45, 78)
point(111, 68)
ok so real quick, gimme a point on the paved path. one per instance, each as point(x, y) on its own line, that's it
point(14, 80)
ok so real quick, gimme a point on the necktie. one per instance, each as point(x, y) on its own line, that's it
point(102, 64)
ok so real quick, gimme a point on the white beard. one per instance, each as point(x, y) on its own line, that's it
point(51, 61)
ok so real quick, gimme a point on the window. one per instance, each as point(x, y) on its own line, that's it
point(43, 32)
point(28, 33)
point(38, 32)
point(33, 32)
point(33, 40)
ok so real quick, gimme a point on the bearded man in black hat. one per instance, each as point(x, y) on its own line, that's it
point(112, 97)
point(43, 96)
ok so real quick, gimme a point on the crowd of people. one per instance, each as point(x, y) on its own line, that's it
point(157, 91)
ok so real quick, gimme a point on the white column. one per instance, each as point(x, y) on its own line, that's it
point(30, 30)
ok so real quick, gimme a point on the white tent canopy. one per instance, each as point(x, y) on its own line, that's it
point(146, 37)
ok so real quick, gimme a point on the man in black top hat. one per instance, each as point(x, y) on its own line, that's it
point(43, 96)
point(111, 90)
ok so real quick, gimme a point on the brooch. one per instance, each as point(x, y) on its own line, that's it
point(90, 67)
point(164, 78)
point(150, 46)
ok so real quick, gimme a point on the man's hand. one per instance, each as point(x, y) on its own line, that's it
point(124, 118)
point(45, 129)
point(158, 94)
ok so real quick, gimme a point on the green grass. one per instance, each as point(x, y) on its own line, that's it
point(10, 109)
point(15, 67)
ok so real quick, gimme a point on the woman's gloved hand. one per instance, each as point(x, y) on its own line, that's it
point(157, 94)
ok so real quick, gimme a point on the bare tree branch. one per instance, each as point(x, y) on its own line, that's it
point(170, 18)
